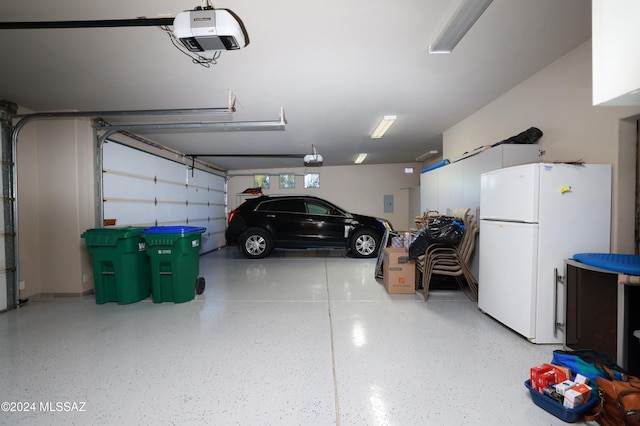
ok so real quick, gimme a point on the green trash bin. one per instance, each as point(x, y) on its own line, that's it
point(174, 252)
point(120, 264)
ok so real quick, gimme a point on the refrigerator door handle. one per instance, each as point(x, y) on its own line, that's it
point(556, 279)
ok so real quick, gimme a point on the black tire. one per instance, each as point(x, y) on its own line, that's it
point(255, 243)
point(365, 243)
point(200, 285)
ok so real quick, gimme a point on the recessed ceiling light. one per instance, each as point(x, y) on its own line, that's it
point(383, 126)
point(360, 158)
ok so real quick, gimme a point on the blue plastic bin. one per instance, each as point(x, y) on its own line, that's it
point(552, 406)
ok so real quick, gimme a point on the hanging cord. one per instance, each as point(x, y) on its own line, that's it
point(206, 4)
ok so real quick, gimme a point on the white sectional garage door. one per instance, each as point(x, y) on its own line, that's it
point(142, 189)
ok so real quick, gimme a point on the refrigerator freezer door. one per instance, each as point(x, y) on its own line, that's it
point(508, 274)
point(574, 217)
point(575, 207)
point(510, 194)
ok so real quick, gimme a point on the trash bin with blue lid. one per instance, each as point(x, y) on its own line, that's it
point(174, 252)
point(121, 266)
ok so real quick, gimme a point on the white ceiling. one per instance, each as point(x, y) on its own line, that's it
point(336, 67)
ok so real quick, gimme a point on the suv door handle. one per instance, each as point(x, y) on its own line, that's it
point(271, 215)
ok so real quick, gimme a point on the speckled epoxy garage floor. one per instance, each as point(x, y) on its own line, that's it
point(299, 338)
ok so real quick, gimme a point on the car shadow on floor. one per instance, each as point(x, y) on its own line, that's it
point(295, 253)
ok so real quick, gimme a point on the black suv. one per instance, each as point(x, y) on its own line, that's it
point(264, 223)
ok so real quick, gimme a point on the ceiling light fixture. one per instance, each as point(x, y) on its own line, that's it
point(384, 125)
point(462, 20)
point(427, 155)
point(360, 158)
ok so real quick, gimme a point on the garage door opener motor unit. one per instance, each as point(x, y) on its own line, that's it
point(210, 29)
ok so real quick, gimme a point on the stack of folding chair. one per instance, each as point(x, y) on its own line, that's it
point(452, 260)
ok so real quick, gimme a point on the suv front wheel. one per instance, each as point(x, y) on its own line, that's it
point(365, 243)
point(255, 243)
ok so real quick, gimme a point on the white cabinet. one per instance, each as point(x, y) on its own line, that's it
point(616, 40)
point(457, 185)
point(429, 190)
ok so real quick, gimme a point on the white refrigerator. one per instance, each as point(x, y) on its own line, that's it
point(532, 218)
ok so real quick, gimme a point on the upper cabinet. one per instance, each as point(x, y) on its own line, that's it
point(458, 184)
point(616, 48)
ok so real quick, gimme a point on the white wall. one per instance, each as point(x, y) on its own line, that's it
point(359, 189)
point(558, 101)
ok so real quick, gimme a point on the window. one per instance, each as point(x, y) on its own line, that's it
point(287, 181)
point(317, 208)
point(261, 181)
point(294, 205)
point(312, 180)
point(266, 206)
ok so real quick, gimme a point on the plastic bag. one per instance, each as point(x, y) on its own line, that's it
point(445, 229)
point(440, 229)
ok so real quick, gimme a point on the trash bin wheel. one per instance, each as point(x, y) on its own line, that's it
point(200, 285)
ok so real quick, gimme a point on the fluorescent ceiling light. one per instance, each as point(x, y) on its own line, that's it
point(384, 125)
point(462, 20)
point(427, 155)
point(360, 158)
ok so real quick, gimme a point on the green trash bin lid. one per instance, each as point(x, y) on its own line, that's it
point(108, 237)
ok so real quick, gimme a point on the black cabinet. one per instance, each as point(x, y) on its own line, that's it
point(601, 314)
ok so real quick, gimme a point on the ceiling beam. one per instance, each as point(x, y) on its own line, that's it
point(231, 126)
point(103, 23)
point(249, 155)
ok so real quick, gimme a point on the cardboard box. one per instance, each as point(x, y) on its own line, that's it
point(572, 399)
point(538, 375)
point(546, 379)
point(583, 390)
point(398, 271)
point(564, 386)
point(563, 373)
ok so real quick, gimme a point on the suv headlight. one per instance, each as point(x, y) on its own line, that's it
point(386, 224)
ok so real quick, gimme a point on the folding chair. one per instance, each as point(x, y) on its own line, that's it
point(443, 259)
